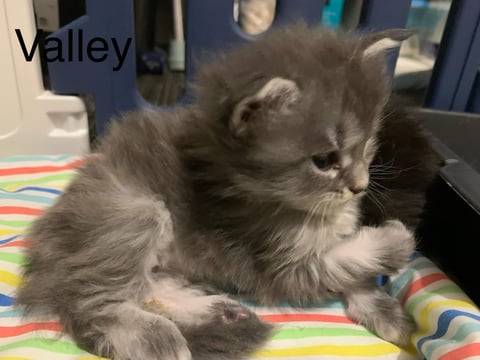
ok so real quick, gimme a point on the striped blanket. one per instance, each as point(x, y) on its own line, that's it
point(448, 322)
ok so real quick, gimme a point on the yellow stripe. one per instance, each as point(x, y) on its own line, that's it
point(10, 279)
point(8, 232)
point(431, 306)
point(332, 350)
point(80, 358)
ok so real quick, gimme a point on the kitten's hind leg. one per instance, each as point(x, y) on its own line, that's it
point(215, 326)
point(126, 332)
point(380, 313)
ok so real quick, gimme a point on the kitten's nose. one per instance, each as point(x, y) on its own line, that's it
point(356, 189)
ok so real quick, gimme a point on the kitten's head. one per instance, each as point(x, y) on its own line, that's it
point(297, 113)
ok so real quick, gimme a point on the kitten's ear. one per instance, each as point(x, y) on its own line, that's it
point(276, 96)
point(379, 42)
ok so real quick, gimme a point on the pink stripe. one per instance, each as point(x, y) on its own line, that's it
point(20, 210)
point(306, 317)
point(39, 169)
point(463, 352)
point(9, 331)
point(419, 284)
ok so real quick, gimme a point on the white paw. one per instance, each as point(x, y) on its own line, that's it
point(400, 239)
point(183, 354)
point(394, 245)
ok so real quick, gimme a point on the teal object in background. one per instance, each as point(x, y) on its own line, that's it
point(332, 13)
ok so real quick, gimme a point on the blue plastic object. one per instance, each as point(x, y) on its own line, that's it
point(115, 91)
point(454, 85)
point(382, 280)
point(209, 26)
point(152, 62)
point(332, 13)
point(385, 14)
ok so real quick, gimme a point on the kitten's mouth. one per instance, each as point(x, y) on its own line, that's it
point(347, 195)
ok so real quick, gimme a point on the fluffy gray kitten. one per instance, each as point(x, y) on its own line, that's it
point(256, 186)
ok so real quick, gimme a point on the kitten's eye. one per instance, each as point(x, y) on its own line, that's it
point(325, 161)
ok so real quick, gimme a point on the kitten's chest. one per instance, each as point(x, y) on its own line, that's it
point(315, 237)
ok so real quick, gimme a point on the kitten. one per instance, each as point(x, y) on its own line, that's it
point(257, 186)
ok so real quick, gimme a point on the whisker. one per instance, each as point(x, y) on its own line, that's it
point(378, 204)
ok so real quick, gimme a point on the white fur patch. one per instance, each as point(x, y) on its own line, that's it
point(284, 92)
point(346, 160)
point(380, 46)
point(315, 238)
point(330, 173)
point(370, 148)
point(183, 304)
point(279, 87)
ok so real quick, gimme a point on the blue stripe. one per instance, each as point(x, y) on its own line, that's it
point(407, 276)
point(39, 189)
point(6, 300)
point(6, 241)
point(19, 158)
point(444, 321)
point(415, 255)
point(462, 332)
point(33, 198)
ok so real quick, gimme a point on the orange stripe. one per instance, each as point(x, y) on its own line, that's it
point(306, 317)
point(423, 282)
point(20, 210)
point(39, 169)
point(8, 331)
point(19, 243)
point(463, 352)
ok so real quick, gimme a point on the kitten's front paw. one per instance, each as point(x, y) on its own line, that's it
point(399, 245)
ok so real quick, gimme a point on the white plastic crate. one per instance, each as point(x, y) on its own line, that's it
point(33, 120)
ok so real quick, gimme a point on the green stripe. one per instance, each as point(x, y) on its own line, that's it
point(19, 259)
point(42, 180)
point(301, 333)
point(16, 223)
point(450, 288)
point(406, 277)
point(58, 346)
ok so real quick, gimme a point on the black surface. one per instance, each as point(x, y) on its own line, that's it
point(450, 236)
point(460, 132)
point(456, 137)
point(450, 232)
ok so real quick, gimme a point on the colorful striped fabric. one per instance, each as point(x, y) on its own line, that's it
point(448, 322)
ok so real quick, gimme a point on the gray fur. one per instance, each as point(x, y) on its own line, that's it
point(225, 192)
